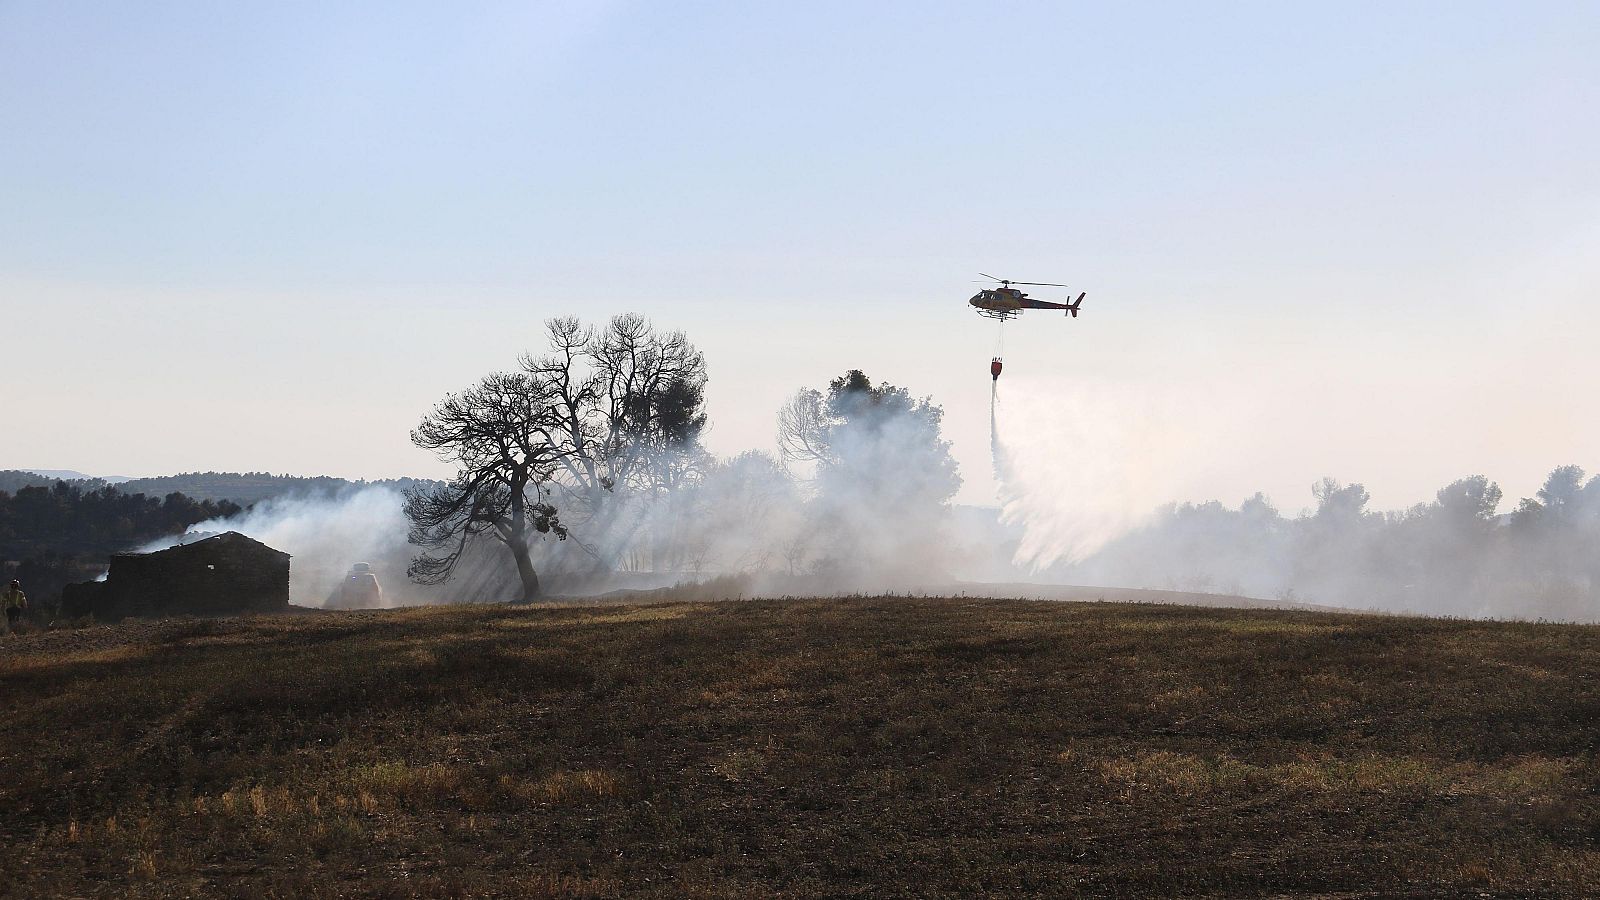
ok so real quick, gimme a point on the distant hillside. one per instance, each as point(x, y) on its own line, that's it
point(73, 475)
point(245, 488)
point(13, 480)
point(54, 533)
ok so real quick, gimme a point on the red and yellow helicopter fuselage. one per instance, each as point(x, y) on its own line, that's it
point(1006, 302)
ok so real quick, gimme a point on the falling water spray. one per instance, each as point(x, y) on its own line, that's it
point(1080, 463)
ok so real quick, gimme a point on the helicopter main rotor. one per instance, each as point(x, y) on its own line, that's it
point(1005, 282)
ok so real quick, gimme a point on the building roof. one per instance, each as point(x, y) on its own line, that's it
point(228, 541)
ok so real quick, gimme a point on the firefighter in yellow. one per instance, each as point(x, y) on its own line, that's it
point(15, 602)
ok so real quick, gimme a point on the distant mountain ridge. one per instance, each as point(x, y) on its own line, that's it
point(243, 488)
point(246, 488)
point(72, 475)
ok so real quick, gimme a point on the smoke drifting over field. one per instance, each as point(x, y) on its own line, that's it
point(856, 501)
point(1087, 476)
point(327, 533)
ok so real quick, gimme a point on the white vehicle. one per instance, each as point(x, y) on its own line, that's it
point(359, 590)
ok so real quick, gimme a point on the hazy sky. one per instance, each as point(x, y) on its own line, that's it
point(1351, 239)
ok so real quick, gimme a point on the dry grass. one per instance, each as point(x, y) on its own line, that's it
point(837, 747)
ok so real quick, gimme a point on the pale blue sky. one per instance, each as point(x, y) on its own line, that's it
point(268, 236)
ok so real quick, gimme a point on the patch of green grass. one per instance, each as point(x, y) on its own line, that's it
point(837, 747)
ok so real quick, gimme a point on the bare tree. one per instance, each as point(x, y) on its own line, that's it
point(499, 435)
point(628, 409)
point(604, 426)
point(803, 427)
point(573, 395)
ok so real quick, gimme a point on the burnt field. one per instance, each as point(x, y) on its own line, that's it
point(816, 747)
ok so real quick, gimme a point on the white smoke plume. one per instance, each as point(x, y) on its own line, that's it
point(325, 534)
point(1088, 475)
point(877, 522)
point(875, 518)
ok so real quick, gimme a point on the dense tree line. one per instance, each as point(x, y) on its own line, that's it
point(67, 519)
point(50, 536)
point(13, 480)
point(243, 488)
point(248, 488)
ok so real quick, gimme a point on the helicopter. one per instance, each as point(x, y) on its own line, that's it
point(1006, 302)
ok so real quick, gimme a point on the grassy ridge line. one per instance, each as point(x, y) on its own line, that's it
point(769, 587)
point(864, 746)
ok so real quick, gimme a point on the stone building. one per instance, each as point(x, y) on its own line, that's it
point(228, 574)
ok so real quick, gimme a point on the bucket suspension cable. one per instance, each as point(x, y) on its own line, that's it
point(999, 351)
